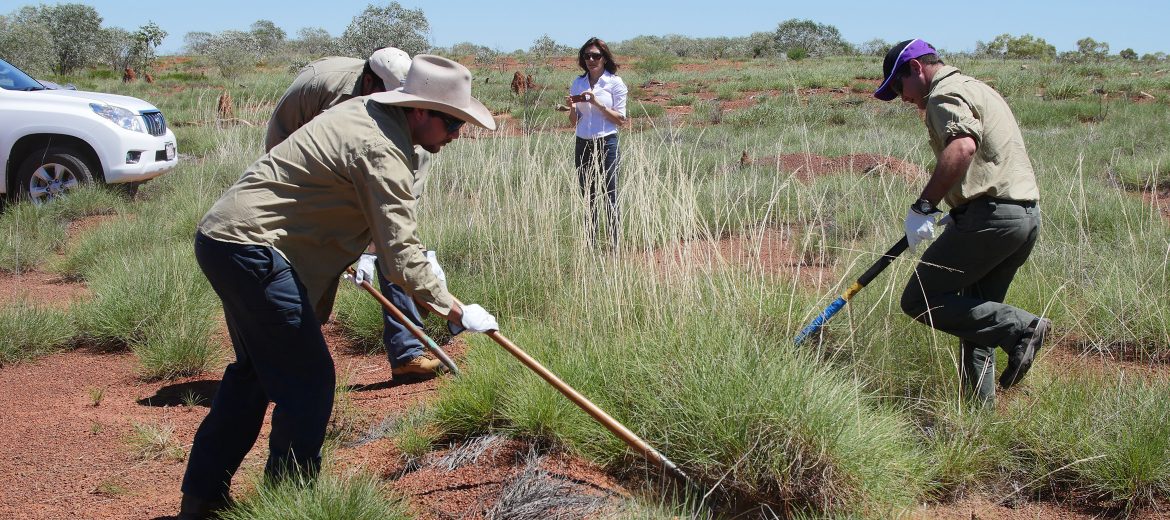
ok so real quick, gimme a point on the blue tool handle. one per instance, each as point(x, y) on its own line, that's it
point(820, 321)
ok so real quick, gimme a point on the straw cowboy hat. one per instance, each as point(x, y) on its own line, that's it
point(440, 84)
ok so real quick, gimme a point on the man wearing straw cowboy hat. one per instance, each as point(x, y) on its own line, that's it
point(323, 84)
point(983, 173)
point(274, 245)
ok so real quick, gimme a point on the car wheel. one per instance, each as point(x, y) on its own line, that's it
point(45, 177)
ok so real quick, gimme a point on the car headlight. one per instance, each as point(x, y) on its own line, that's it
point(119, 116)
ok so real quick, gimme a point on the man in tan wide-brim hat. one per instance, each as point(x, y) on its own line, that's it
point(275, 244)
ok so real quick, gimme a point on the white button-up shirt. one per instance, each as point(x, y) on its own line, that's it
point(611, 92)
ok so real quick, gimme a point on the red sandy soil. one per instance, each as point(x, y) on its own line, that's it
point(1159, 199)
point(33, 286)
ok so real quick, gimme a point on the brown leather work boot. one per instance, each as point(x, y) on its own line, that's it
point(420, 366)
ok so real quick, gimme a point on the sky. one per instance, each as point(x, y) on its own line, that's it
point(507, 25)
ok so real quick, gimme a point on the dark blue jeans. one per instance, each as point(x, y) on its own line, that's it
point(592, 158)
point(281, 357)
point(401, 345)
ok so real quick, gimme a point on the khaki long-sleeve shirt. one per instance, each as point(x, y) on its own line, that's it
point(960, 105)
point(319, 197)
point(321, 84)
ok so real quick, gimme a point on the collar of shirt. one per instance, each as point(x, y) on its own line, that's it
point(946, 71)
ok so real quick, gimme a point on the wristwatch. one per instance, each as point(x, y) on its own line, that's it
point(924, 207)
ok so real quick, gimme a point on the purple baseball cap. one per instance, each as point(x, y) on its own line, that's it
point(897, 55)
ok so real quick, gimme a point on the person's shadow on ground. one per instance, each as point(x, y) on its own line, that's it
point(193, 393)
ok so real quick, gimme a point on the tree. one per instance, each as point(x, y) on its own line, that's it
point(719, 47)
point(232, 52)
point(876, 47)
point(315, 42)
point(73, 29)
point(26, 45)
point(1023, 47)
point(1128, 54)
point(996, 48)
point(114, 48)
point(268, 37)
point(816, 39)
point(1030, 47)
point(542, 51)
point(761, 44)
point(197, 42)
point(390, 26)
point(144, 41)
point(1091, 49)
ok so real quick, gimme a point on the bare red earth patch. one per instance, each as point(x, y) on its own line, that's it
point(40, 289)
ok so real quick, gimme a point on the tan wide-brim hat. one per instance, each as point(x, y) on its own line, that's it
point(438, 83)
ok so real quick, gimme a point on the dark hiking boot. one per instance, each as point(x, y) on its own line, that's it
point(195, 508)
point(1020, 359)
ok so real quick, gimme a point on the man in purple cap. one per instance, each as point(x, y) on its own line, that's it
point(983, 173)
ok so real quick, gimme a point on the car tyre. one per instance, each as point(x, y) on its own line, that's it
point(45, 176)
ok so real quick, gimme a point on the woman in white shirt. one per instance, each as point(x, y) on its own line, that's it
point(598, 101)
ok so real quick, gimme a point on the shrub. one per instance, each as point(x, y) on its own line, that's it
point(655, 65)
point(814, 39)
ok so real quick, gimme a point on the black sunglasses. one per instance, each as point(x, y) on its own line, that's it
point(452, 123)
point(593, 55)
point(896, 85)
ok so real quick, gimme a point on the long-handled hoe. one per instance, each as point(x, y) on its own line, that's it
point(871, 273)
point(418, 333)
point(617, 428)
point(631, 439)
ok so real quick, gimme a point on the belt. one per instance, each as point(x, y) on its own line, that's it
point(986, 199)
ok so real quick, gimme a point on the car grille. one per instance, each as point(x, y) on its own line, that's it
point(156, 124)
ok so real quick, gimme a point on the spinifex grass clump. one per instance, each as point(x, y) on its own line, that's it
point(28, 332)
point(29, 237)
point(158, 304)
point(1101, 437)
point(330, 496)
point(30, 234)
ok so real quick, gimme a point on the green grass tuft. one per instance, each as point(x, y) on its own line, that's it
point(329, 497)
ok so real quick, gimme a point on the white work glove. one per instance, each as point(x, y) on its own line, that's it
point(364, 269)
point(435, 268)
point(475, 319)
point(919, 227)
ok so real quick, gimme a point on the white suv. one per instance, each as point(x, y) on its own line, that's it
point(54, 140)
